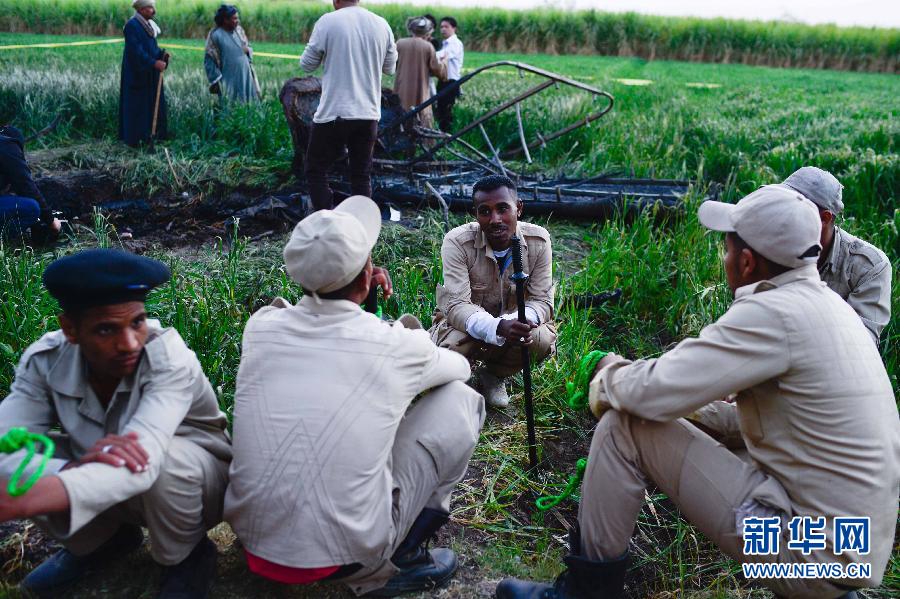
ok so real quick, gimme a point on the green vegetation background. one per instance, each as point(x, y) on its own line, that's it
point(743, 126)
point(547, 31)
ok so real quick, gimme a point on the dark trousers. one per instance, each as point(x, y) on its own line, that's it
point(326, 144)
point(17, 214)
point(444, 109)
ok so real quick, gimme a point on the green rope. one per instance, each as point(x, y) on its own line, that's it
point(545, 503)
point(13, 441)
point(579, 388)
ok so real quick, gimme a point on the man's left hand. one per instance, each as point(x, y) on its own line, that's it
point(382, 278)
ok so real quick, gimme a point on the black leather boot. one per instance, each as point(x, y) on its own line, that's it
point(585, 579)
point(421, 569)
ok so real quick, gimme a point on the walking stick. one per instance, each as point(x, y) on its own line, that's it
point(520, 278)
point(159, 85)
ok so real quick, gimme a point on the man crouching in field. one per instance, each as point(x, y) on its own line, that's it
point(477, 314)
point(141, 439)
point(335, 477)
point(814, 406)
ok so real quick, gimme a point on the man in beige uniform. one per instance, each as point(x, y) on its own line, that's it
point(336, 477)
point(476, 306)
point(814, 405)
point(854, 269)
point(141, 439)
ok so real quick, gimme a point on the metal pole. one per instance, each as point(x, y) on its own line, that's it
point(521, 278)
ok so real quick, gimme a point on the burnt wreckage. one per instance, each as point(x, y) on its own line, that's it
point(410, 168)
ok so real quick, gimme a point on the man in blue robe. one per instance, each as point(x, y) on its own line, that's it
point(143, 63)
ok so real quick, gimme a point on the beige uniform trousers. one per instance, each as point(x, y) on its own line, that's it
point(706, 481)
point(184, 502)
point(500, 360)
point(430, 456)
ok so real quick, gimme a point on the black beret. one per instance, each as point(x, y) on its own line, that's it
point(103, 277)
point(13, 134)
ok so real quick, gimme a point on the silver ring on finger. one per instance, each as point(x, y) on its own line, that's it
point(521, 339)
point(105, 448)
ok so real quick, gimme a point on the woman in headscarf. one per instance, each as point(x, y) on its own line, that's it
point(143, 63)
point(228, 60)
point(416, 62)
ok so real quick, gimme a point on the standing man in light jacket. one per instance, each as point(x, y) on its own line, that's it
point(338, 476)
point(814, 406)
point(355, 47)
point(452, 53)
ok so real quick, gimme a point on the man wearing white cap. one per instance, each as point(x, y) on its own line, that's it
point(814, 407)
point(854, 269)
point(335, 477)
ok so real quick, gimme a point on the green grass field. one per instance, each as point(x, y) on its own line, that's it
point(756, 127)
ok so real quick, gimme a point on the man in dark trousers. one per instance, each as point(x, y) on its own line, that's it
point(143, 63)
point(354, 47)
point(22, 206)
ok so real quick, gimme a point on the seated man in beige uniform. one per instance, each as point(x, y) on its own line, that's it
point(814, 406)
point(477, 314)
point(854, 269)
point(337, 475)
point(140, 437)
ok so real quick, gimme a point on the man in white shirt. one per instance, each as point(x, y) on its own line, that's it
point(452, 53)
point(337, 476)
point(354, 47)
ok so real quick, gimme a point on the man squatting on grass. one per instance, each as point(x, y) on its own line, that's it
point(854, 269)
point(338, 476)
point(354, 47)
point(22, 206)
point(814, 407)
point(140, 437)
point(477, 314)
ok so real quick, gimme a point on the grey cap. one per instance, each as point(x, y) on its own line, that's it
point(820, 186)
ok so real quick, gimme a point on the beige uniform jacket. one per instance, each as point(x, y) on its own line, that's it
point(861, 274)
point(167, 396)
point(416, 63)
point(814, 405)
point(321, 390)
point(472, 281)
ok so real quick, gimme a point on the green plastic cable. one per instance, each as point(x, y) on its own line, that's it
point(545, 503)
point(16, 439)
point(579, 388)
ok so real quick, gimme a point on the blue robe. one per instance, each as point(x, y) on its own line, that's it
point(137, 95)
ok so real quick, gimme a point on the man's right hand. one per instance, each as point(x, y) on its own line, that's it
point(515, 332)
point(118, 451)
point(160, 65)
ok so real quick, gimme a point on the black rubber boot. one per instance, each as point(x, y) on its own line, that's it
point(63, 569)
point(192, 577)
point(585, 579)
point(420, 569)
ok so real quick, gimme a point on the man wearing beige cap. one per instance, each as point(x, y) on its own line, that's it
point(814, 407)
point(336, 477)
point(854, 269)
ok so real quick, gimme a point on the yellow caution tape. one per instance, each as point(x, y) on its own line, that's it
point(255, 54)
point(60, 45)
point(638, 82)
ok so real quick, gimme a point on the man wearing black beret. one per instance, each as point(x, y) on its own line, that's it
point(142, 439)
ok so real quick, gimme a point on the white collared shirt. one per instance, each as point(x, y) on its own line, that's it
point(452, 49)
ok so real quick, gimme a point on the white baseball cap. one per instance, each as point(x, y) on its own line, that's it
point(329, 248)
point(776, 221)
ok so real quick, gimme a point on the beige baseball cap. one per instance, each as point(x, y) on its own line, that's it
point(820, 186)
point(329, 248)
point(775, 220)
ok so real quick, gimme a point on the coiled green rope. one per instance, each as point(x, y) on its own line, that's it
point(578, 390)
point(545, 503)
point(16, 439)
